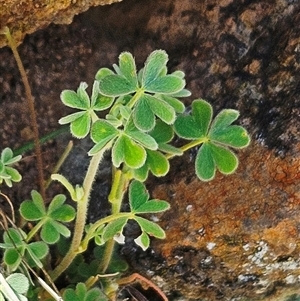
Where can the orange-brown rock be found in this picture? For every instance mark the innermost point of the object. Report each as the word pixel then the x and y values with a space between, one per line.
pixel 247 222
pixel 27 16
pixel 237 237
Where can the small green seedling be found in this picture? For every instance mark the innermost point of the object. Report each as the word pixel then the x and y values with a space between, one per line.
pixel 82 293
pixel 50 219
pixel 142 114
pixel 16 247
pixel 9 174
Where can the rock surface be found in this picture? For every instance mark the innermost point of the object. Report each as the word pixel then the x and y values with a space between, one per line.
pixel 236 238
pixel 26 16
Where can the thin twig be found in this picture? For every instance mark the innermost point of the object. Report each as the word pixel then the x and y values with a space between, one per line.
pixel 11 206
pixel 32 111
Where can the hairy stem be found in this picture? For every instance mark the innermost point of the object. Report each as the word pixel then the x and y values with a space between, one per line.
pixel 91 231
pixel 119 186
pixel 188 146
pixel 82 208
pixel 107 255
pixel 136 97
pixel 34 230
pixel 32 111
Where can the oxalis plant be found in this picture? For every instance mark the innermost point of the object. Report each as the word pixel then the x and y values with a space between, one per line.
pixel 144 115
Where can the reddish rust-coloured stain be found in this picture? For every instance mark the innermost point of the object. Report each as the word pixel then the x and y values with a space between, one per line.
pixel 249 220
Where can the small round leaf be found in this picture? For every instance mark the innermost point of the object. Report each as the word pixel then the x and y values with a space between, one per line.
pixel 80 127
pixel 49 233
pixel 204 164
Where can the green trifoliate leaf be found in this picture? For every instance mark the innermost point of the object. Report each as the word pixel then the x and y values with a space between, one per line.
pixel 154 64
pixel 7 173
pixel 72 99
pixel 138 195
pixel 162 132
pixel 139 200
pixel 59 211
pixel 225 118
pixel 14 236
pixel 196 125
pixel 38 249
pixel 71 118
pixel 114 228
pixel 167 84
pixel 157 163
pixel 102 133
pixel 13 258
pixel 147 107
pixel 141 174
pixel 50 219
pixel 128 68
pixel 128 151
pixel 233 136
pixel 144 118
pixel 33 210
pixel 150 227
pixel 204 164
pixel 182 93
pixel 7 157
pixel 16 247
pixel 52 230
pixel 174 102
pixel 49 234
pixel 116 85
pixel 100 102
pixel 13 174
pixel 143 241
pixel 225 160
pixel 215 136
pixel 81 293
pixel 143 139
pixel 103 72
pixel 80 122
pixel 186 127
pixel 81 126
pixel 212 156
pixel 81 92
pixel 161 109
pixel 179 74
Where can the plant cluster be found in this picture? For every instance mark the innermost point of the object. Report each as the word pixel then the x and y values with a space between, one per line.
pixel 143 114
